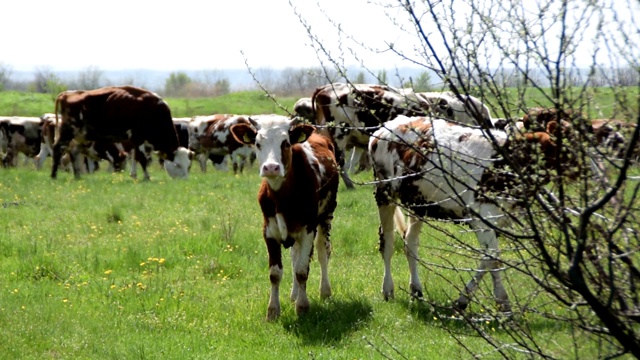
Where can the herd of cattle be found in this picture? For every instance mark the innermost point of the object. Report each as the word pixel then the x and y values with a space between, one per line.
pixel 427 150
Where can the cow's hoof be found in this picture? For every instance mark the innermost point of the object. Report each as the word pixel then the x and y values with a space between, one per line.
pixel 504 307
pixel 273 314
pixel 325 294
pixel 302 309
pixel 416 293
pixel 388 295
pixel 460 305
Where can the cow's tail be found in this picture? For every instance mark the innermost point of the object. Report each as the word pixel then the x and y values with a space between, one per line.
pixel 401 224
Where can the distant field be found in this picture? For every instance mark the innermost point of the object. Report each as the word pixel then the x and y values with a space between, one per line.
pixel 13 103
pixel 602 103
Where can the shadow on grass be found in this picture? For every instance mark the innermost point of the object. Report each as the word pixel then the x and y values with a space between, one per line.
pixel 442 314
pixel 330 321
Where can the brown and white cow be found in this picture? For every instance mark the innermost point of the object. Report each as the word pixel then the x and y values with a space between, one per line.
pixel 297 197
pixel 304 109
pixel 355 111
pixel 210 137
pixel 19 135
pixel 116 114
pixel 612 135
pixel 441 170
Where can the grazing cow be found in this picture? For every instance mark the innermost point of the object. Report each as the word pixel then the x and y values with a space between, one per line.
pixel 117 114
pixel 182 129
pixel 464 109
pixel 357 110
pixel 19 135
pixel 210 137
pixel 446 171
pixel 612 135
pixel 304 109
pixel 297 197
pixel 349 113
pixel 87 158
pixel 538 118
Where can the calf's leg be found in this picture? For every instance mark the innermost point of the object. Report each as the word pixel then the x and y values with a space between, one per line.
pixel 323 249
pixel 275 276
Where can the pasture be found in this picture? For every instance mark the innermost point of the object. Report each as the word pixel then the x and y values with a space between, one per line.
pixel 110 267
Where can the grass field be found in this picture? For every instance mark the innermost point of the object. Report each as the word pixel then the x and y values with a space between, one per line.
pixel 602 103
pixel 14 103
pixel 109 267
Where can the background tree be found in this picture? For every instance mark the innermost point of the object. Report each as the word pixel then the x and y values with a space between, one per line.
pixel 5 75
pixel 46 81
pixel 573 245
pixel 176 83
pixel 90 78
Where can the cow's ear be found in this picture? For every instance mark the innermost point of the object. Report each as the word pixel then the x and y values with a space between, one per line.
pixel 300 133
pixel 243 133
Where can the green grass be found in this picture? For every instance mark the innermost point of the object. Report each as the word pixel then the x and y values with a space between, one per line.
pixel 108 267
pixel 15 103
pixel 603 103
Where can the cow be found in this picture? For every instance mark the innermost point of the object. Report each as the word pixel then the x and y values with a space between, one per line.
pixel 464 109
pixel 442 170
pixel 87 158
pixel 612 135
pixel 19 135
pixel 182 129
pixel 210 137
pixel 352 112
pixel 538 118
pixel 48 130
pixel 297 197
pixel 304 108
pixel 116 114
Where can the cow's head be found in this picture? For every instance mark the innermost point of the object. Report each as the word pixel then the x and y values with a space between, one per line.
pixel 179 167
pixel 273 137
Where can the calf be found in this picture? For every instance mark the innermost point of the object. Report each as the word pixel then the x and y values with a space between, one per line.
pixel 297 197
pixel 442 170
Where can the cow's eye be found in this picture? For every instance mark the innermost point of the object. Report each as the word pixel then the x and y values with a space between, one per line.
pixel 258 146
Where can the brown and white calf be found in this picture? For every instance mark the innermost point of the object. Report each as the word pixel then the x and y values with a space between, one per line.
pixel 297 197
pixel 441 170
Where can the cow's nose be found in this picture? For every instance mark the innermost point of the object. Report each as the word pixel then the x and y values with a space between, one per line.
pixel 271 169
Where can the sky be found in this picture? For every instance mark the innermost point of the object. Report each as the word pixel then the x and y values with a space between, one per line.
pixel 183 35
pixel 171 35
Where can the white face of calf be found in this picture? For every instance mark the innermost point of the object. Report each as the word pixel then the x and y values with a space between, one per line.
pixel 273 136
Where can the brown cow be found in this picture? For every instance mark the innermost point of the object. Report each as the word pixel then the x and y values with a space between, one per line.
pixel 297 197
pixel 116 114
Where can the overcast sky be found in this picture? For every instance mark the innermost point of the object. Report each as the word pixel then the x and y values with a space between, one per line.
pixel 171 35
pixel 211 34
